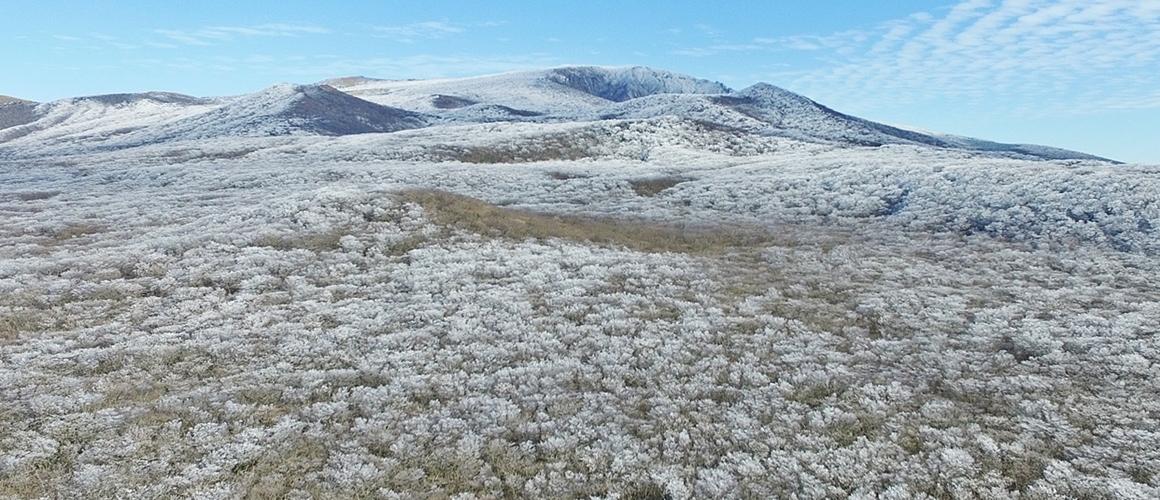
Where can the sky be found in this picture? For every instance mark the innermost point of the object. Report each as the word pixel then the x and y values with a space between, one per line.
pixel 1079 74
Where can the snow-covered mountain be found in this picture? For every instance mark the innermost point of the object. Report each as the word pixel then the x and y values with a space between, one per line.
pixel 770 110
pixel 294 110
pixel 97 120
pixel 359 105
pixel 567 93
pixel 129 120
pixel 622 84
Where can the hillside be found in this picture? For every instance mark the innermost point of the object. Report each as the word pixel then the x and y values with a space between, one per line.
pixel 15 112
pixel 293 109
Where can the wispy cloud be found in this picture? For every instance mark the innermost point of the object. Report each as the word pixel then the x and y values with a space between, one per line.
pixel 210 35
pixel 320 66
pixel 842 42
pixel 427 30
pixel 422 65
pixel 94 41
pixel 1033 57
pixel 717 48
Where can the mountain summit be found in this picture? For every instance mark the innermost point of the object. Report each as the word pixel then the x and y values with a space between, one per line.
pixel 622 84
pixel 295 109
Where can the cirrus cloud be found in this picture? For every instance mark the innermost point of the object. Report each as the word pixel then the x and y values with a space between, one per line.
pixel 426 30
pixel 210 35
pixel 1042 57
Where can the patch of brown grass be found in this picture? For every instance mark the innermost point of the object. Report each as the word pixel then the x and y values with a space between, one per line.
pixel 33 195
pixel 652 186
pixel 76 230
pixel 12 324
pixel 565 176
pixel 480 217
pixel 283 468
pixel 314 241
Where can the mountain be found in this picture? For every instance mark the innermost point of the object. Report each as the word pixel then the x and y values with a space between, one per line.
pixel 622 84
pixel 566 93
pixel 770 110
pixel 293 110
pixel 93 120
pixel 527 91
pixel 154 97
pixel 361 105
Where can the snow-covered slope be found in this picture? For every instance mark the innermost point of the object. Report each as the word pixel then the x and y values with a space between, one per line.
pixel 786 111
pixel 622 84
pixel 14 111
pixel 767 109
pixel 293 109
pixel 1032 150
pixel 129 120
pixel 94 120
pixel 518 91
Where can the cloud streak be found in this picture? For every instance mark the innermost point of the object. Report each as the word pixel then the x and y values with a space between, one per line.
pixel 1027 57
pixel 410 33
pixel 211 35
pixel 1037 56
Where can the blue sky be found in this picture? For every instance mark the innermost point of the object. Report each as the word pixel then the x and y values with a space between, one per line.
pixel 1081 74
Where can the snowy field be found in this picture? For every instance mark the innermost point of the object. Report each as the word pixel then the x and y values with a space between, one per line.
pixel 303 317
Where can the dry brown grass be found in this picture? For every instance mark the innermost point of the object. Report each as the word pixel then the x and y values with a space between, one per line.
pixel 76 230
pixel 283 468
pixel 480 217
pixel 565 176
pixel 32 195
pixel 14 323
pixel 314 241
pixel 652 186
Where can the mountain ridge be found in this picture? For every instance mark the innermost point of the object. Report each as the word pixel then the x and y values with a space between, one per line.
pixel 359 105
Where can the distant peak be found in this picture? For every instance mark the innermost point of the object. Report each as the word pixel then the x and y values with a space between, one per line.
pixel 620 84
pixel 14 100
pixel 348 81
pixel 762 88
pixel 295 90
pixel 768 94
pixel 283 88
pixel 157 97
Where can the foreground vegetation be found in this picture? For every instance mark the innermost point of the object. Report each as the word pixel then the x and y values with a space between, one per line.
pixel 265 329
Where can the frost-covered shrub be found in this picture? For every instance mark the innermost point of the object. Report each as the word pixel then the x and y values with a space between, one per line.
pixel 289 323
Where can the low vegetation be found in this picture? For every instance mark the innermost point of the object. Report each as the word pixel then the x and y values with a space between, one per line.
pixel 244 328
